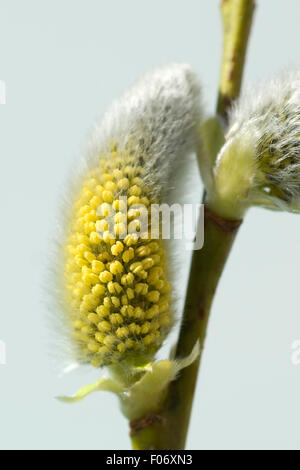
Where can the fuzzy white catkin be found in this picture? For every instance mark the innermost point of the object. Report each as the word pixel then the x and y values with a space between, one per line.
pixel 115 290
pixel 269 116
pixel 159 113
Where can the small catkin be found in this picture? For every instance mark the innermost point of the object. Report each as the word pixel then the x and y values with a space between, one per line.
pixel 115 285
pixel 269 118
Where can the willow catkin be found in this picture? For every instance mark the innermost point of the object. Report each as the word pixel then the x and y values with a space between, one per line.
pixel 115 287
pixel 259 163
pixel 268 118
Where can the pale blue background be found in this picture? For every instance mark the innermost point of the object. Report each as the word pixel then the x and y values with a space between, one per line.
pixel 63 63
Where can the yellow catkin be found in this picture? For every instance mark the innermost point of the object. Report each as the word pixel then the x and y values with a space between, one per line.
pixel 115 281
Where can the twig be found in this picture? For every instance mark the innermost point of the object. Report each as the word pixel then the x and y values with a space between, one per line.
pixel 237 16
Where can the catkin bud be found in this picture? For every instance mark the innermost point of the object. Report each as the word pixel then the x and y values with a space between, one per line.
pixel 260 161
pixel 115 283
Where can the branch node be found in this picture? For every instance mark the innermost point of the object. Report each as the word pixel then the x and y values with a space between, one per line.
pixel 227 226
pixel 142 423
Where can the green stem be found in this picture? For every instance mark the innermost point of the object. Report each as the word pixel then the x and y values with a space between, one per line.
pixel 168 428
pixel 237 16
